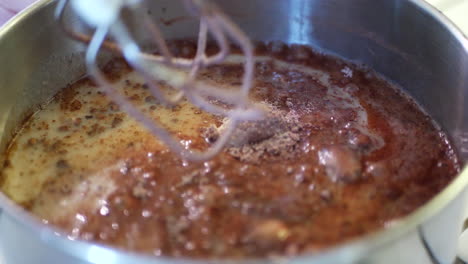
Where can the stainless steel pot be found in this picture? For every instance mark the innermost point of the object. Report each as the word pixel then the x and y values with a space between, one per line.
pixel 405 40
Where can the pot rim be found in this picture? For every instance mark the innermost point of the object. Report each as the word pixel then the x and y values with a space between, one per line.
pixel 351 250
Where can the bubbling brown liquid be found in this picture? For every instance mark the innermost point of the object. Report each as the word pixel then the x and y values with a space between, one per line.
pixel 341 153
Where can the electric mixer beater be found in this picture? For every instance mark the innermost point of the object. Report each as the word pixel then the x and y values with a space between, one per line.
pixel 105 17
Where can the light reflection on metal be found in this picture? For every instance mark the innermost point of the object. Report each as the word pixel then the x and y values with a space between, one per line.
pixel 300 31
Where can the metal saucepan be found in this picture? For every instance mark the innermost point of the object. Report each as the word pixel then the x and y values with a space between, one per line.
pixel 407 41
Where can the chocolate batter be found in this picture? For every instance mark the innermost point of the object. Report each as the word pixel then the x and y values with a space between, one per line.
pixel 340 154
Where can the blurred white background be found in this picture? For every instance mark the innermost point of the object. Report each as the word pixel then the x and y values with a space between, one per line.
pixel 456 10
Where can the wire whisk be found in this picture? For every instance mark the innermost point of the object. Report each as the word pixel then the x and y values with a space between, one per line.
pixel 104 16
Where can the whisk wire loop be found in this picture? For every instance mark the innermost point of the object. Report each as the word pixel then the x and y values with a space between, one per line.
pixel 179 73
